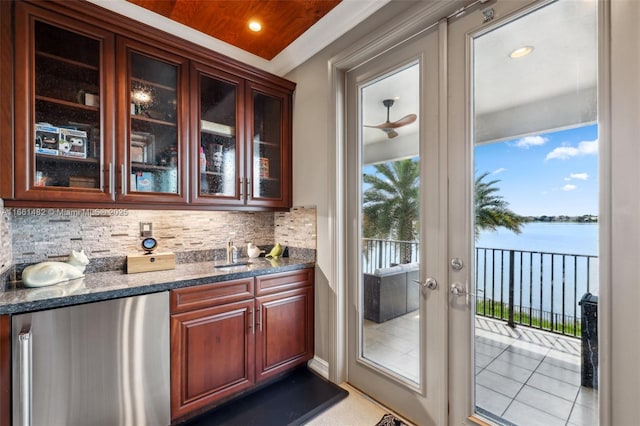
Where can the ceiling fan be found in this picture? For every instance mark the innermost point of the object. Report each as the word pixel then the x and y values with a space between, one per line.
pixel 389 127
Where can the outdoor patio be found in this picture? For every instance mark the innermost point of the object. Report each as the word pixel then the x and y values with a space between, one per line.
pixel 524 376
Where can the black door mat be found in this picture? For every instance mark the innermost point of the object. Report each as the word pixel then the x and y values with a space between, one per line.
pixel 292 400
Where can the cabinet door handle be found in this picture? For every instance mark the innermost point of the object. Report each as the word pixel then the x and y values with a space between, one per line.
pixel 241 187
pixel 260 317
pixel 111 177
pixel 123 189
pixel 253 321
pixel 248 188
pixel 25 359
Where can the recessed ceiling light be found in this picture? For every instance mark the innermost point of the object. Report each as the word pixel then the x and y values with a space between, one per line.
pixel 255 26
pixel 521 52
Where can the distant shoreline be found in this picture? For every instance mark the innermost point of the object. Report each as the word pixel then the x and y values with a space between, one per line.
pixel 587 218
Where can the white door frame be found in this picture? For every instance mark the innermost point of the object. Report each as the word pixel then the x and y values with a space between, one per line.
pixel 406 25
pixel 396 31
pixel 460 49
pixel 425 401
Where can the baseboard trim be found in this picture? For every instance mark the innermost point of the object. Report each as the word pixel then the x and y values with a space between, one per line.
pixel 319 366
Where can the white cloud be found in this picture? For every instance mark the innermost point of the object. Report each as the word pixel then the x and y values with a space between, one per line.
pixel 566 152
pixel 569 187
pixel 579 176
pixel 499 170
pixel 567 179
pixel 529 141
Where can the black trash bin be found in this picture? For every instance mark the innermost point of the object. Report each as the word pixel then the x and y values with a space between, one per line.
pixel 589 310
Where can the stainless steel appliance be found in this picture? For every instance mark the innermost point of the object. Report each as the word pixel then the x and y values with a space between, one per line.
pixel 103 363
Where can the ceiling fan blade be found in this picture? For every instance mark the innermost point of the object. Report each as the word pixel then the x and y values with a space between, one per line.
pixel 407 119
pixel 388 126
pixel 378 126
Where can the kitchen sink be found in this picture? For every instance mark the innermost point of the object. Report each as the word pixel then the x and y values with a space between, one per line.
pixel 231 265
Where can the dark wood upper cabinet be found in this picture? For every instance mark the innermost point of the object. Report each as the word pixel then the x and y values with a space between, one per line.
pixel 63 108
pixel 269 146
pixel 217 109
pixel 244 141
pixel 107 113
pixel 152 124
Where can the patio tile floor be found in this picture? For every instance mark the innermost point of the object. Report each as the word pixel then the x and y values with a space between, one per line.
pixel 524 376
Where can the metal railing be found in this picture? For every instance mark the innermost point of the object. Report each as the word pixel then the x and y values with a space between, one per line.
pixel 532 288
pixel 386 253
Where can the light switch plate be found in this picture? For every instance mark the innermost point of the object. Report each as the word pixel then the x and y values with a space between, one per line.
pixel 146 229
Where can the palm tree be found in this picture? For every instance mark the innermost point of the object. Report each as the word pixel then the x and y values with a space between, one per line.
pixel 391 206
pixel 491 209
pixel 391 203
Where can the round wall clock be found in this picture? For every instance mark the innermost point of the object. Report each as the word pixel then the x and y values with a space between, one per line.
pixel 149 244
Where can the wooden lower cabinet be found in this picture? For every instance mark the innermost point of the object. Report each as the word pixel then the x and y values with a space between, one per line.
pixel 211 355
pixel 224 340
pixel 284 335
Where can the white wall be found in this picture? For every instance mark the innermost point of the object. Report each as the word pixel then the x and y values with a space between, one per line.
pixel 624 342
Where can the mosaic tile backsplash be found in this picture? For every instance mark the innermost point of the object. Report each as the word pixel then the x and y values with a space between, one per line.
pixel 35 235
pixel 5 241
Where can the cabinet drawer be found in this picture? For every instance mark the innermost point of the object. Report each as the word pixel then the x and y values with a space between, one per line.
pixel 268 284
pixel 202 296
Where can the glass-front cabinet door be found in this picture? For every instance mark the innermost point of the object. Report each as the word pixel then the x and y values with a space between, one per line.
pixel 216 150
pixel 152 153
pixel 269 159
pixel 63 93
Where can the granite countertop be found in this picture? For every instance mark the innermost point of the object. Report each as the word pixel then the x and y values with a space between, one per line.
pixel 114 284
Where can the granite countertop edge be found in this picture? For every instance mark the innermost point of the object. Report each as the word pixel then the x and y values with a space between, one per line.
pixel 101 286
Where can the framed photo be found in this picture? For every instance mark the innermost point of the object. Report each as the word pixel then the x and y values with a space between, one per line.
pixel 142 147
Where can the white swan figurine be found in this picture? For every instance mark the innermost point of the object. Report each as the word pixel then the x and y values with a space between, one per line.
pixel 253 251
pixel 50 273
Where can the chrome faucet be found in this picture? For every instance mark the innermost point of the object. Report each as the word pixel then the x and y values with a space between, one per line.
pixel 232 252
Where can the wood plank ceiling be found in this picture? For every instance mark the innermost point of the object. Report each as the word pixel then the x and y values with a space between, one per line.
pixel 282 20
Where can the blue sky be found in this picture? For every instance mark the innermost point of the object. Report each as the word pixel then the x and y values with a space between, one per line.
pixel 546 174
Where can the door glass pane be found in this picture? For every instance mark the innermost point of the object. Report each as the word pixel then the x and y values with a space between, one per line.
pixel 267 143
pixel 217 137
pixel 536 217
pixel 67 108
pixel 154 154
pixel 390 185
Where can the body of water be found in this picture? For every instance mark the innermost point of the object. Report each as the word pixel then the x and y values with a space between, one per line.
pixel 558 237
pixel 552 268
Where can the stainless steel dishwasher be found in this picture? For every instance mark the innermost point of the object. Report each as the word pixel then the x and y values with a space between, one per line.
pixel 103 363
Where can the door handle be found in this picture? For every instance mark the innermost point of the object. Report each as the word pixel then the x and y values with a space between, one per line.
pixel 25 359
pixel 457 289
pixel 429 283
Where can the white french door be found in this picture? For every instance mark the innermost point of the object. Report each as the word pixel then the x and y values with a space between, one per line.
pixel 397 299
pixel 430 381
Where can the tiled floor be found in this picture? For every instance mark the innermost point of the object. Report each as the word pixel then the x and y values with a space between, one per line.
pixel 355 410
pixel 394 344
pixel 524 376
